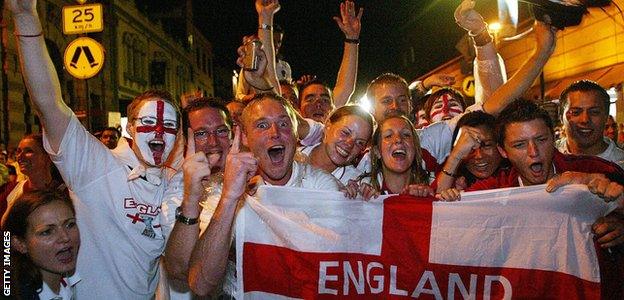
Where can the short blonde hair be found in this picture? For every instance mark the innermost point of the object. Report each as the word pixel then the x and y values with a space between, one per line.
pixel 292 114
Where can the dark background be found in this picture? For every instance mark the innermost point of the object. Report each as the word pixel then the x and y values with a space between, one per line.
pixel 313 42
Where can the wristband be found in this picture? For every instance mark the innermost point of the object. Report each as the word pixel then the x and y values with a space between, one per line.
pixel 266 27
pixel 184 220
pixel 473 34
pixel 28 35
pixel 448 173
pixel 352 41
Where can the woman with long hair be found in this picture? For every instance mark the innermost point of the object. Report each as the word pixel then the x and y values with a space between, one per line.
pixel 44 241
pixel 396 160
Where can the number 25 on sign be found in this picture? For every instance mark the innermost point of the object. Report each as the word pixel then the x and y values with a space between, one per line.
pixel 83 18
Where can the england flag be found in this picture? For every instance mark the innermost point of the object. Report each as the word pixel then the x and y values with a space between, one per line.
pixel 513 243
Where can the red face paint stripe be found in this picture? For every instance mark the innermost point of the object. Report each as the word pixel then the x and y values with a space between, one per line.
pixel 445 105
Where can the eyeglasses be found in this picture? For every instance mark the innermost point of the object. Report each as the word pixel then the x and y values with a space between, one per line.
pixel 220 132
pixel 151 121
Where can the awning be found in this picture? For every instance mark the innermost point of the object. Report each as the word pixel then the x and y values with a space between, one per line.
pixel 607 77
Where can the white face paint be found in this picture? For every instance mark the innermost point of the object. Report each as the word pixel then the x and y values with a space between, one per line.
pixel 155 129
pixel 445 107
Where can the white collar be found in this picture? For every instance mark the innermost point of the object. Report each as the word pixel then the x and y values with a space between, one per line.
pixel 124 152
pixel 66 291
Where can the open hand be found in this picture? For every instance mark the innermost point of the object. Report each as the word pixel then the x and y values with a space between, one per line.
pixel 468 18
pixel 349 22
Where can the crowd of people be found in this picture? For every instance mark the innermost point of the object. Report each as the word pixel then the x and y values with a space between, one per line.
pixel 152 215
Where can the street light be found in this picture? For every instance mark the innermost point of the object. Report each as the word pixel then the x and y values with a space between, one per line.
pixel 494 28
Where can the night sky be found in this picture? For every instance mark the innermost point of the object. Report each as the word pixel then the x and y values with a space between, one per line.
pixel 313 42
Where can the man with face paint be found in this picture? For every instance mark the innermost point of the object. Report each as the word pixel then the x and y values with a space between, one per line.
pixel 117 193
pixel 444 104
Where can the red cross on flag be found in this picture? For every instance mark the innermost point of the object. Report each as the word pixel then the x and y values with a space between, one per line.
pixel 500 244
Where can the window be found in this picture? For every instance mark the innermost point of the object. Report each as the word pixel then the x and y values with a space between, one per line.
pixel 612 98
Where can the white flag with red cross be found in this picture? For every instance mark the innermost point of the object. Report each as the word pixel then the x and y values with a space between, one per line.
pixel 498 244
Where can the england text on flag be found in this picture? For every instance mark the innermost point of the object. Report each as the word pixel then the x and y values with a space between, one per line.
pixel 499 244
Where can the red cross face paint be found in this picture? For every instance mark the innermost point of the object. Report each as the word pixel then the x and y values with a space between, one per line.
pixel 444 108
pixel 156 128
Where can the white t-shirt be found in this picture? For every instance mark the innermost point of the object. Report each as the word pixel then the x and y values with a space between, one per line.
pixel 613 153
pixel 343 174
pixel 17 191
pixel 303 175
pixel 67 289
pixel 119 219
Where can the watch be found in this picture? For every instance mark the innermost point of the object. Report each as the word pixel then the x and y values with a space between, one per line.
pixel 184 220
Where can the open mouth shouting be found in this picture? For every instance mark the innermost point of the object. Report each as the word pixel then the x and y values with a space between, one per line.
pixel 157 146
pixel 399 154
pixel 277 154
pixel 539 172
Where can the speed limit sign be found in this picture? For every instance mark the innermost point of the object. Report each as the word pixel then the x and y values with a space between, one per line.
pixel 83 18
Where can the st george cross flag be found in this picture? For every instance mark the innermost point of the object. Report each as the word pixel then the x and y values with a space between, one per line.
pixel 499 244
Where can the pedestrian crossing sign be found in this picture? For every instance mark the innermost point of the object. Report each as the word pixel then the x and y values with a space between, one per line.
pixel 84 58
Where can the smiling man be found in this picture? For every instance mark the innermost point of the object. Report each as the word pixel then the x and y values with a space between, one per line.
pixel 584 112
pixel 117 194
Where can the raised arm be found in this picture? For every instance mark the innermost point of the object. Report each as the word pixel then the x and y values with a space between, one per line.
pixel 489 75
pixel 266 10
pixel 545 36
pixel 350 24
pixel 209 256
pixel 468 141
pixel 255 82
pixel 39 74
pixel 184 236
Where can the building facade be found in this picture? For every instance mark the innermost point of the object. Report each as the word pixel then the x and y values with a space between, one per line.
pixel 139 55
pixel 592 50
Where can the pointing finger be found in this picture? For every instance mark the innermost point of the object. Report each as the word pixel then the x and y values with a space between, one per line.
pixel 190 143
pixel 236 142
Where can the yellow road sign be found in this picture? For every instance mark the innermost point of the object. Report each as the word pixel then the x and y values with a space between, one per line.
pixel 83 18
pixel 84 58
pixel 468 85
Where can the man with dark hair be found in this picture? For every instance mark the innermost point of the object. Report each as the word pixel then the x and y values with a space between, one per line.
pixel 525 136
pixel 584 108
pixel 209 129
pixel 315 100
pixel 109 137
